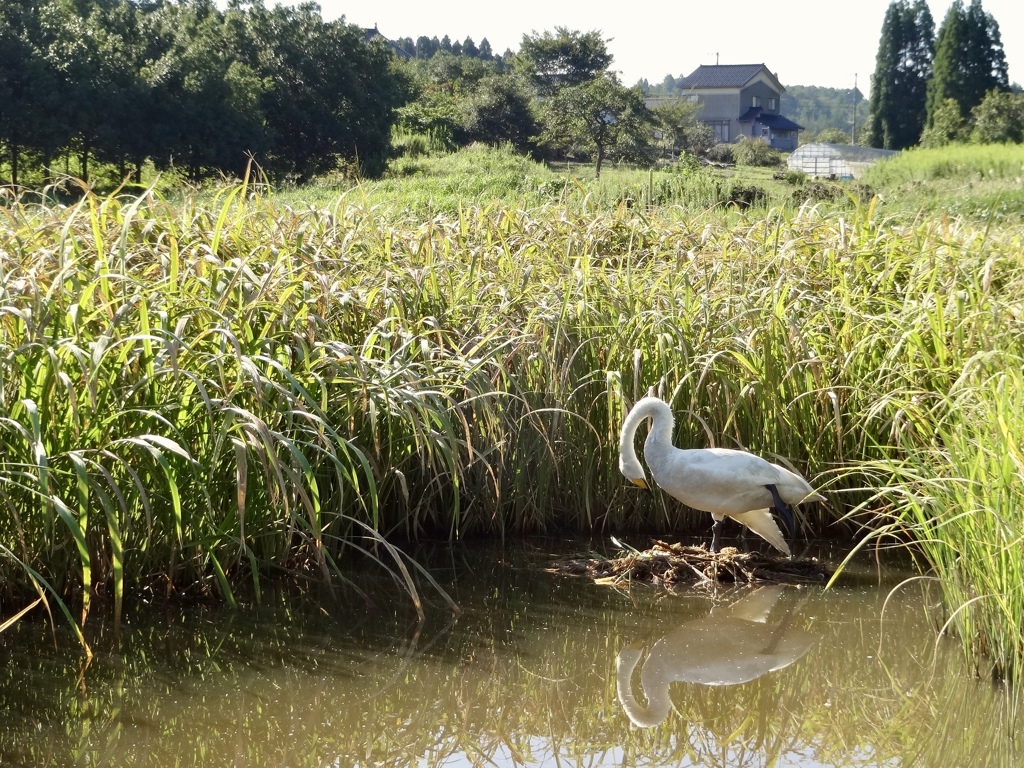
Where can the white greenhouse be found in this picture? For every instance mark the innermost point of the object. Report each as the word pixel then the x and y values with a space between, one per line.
pixel 840 161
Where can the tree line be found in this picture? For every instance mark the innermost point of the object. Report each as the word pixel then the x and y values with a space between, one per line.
pixel 191 88
pixel 426 47
pixel 932 89
pixel 556 97
pixel 202 91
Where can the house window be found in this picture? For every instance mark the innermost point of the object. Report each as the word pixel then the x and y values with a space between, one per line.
pixel 773 103
pixel 721 130
pixel 755 101
pixel 691 97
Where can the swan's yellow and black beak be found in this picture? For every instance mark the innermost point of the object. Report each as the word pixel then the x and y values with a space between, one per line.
pixel 639 482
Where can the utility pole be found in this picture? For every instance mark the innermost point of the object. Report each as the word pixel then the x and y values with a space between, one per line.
pixel 854 108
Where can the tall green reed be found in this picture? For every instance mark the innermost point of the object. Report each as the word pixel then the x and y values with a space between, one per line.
pixel 202 394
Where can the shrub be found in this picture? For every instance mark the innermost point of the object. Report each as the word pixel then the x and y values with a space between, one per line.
pixel 793 176
pixel 999 119
pixel 416 145
pixel 756 152
pixel 947 126
pixel 833 136
pixel 721 153
pixel 746 195
pixel 817 191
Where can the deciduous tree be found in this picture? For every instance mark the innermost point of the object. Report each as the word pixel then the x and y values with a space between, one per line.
pixel 601 118
pixel 29 96
pixel 500 111
pixel 947 126
pixel 562 59
pixel 206 101
pixel 192 87
pixel 681 129
pixel 833 136
pixel 999 119
pixel 327 95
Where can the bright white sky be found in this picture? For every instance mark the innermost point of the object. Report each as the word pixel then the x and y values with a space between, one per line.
pixel 805 42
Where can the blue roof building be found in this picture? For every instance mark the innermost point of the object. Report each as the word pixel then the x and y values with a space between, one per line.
pixel 740 100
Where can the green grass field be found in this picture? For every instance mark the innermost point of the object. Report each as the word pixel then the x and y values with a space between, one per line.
pixel 444 184
pixel 970 181
pixel 201 394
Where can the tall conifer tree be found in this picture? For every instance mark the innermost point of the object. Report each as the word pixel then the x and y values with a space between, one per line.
pixel 986 61
pixel 902 69
pixel 969 60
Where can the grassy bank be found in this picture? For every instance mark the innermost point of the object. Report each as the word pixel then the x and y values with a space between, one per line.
pixel 199 396
pixel 975 181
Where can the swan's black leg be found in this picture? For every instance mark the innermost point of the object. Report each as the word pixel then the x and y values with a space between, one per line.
pixel 781 508
pixel 714 536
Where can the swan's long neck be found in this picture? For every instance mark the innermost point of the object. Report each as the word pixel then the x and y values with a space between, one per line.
pixel 658 702
pixel 662 422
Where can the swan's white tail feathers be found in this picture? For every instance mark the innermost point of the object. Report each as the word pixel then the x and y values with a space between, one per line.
pixel 756 606
pixel 761 522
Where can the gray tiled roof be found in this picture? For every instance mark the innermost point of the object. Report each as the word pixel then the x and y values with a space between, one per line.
pixel 773 121
pixel 370 34
pixel 720 76
pixel 779 123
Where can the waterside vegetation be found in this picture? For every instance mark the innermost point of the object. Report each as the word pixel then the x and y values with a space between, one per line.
pixel 199 395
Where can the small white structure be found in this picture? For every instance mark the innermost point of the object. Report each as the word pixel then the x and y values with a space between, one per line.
pixel 841 161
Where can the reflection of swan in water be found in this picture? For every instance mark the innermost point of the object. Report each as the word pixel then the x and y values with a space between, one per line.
pixel 732 645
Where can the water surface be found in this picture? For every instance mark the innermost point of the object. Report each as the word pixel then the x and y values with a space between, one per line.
pixel 537 670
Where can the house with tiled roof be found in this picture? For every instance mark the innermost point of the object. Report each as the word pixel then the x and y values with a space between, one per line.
pixel 372 34
pixel 741 100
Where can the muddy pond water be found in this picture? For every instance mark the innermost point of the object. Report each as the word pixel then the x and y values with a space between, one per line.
pixel 537 670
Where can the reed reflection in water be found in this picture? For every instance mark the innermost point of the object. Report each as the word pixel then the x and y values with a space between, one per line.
pixel 526 676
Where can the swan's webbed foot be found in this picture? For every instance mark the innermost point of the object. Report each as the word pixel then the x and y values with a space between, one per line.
pixel 782 508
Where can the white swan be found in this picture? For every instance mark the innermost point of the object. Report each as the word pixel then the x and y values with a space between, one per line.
pixel 731 646
pixel 722 481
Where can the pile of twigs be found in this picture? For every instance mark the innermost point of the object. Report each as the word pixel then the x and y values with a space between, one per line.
pixel 671 565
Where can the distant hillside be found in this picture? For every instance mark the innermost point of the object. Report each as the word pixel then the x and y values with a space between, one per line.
pixel 817 108
pixel 813 107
